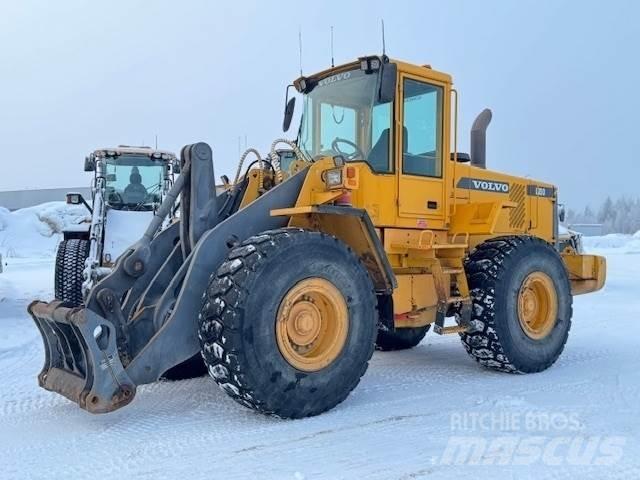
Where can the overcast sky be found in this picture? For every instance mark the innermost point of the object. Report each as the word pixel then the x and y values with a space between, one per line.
pixel 562 79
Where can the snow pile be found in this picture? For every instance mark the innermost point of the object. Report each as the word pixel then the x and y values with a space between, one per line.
pixel 613 243
pixel 36 231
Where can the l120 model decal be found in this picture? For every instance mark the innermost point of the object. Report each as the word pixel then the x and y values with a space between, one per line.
pixel 483 185
pixel 538 191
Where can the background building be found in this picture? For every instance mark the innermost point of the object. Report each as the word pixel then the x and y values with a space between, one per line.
pixel 15 199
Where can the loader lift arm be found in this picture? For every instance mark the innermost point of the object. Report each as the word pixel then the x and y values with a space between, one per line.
pixel 141 319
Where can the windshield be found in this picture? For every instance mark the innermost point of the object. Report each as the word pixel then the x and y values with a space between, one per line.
pixel 342 116
pixel 134 182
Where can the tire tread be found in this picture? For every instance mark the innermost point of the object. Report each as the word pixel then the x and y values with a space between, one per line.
pixel 484 266
pixel 219 321
pixel 69 267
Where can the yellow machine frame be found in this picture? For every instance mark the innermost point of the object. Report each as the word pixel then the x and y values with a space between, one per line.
pixel 426 247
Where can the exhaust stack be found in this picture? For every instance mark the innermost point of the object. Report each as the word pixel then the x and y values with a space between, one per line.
pixel 479 139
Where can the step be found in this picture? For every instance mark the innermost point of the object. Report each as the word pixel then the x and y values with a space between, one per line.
pixel 452 270
pixel 440 246
pixel 426 247
pixel 449 330
pixel 458 299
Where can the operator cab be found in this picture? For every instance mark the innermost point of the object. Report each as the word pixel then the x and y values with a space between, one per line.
pixel 391 118
pixel 347 114
pixel 136 178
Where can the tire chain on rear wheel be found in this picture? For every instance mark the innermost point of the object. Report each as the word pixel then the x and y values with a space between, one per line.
pixel 221 363
pixel 70 260
pixel 481 341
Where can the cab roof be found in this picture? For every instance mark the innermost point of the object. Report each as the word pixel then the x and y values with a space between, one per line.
pixel 128 150
pixel 420 70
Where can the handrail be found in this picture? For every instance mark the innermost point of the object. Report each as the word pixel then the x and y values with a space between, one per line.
pixel 455 150
pixel 431 238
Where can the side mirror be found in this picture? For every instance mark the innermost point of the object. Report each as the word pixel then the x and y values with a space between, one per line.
pixel 561 213
pixel 388 79
pixel 176 167
pixel 74 198
pixel 288 114
pixel 89 164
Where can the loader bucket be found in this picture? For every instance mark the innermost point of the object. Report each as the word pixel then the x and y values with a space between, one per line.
pixel 81 357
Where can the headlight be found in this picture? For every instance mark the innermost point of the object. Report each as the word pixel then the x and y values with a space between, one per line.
pixel 333 178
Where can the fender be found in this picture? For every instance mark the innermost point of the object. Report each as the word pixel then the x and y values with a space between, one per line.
pixel 354 227
pixel 79 231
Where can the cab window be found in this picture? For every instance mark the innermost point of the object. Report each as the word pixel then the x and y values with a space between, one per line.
pixel 381 137
pixel 337 122
pixel 342 116
pixel 422 132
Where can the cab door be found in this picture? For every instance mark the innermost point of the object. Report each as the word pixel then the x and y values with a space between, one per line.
pixel 421 150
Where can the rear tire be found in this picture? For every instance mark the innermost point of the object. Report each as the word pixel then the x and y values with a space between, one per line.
pixel 390 338
pixel 400 338
pixel 70 260
pixel 242 319
pixel 192 368
pixel 499 273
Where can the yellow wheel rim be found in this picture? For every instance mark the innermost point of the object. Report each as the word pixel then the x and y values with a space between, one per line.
pixel 312 324
pixel 537 305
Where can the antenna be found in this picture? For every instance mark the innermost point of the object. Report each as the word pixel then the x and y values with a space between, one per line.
pixel 156 141
pixel 383 45
pixel 300 47
pixel 332 62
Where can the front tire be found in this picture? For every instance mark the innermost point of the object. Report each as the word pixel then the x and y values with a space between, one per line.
pixel 289 322
pixel 521 313
pixel 70 260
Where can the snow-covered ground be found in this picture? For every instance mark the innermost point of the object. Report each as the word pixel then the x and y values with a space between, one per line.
pixel 430 412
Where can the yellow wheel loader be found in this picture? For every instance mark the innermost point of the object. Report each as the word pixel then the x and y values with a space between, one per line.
pixel 286 279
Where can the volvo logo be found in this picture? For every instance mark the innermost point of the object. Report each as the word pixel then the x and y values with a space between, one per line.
pixel 483 185
pixel 334 78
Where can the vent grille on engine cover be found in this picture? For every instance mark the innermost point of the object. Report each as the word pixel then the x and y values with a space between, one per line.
pixel 517 215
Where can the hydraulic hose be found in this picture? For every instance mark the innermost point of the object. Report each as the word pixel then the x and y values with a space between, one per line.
pixel 275 158
pixel 243 158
